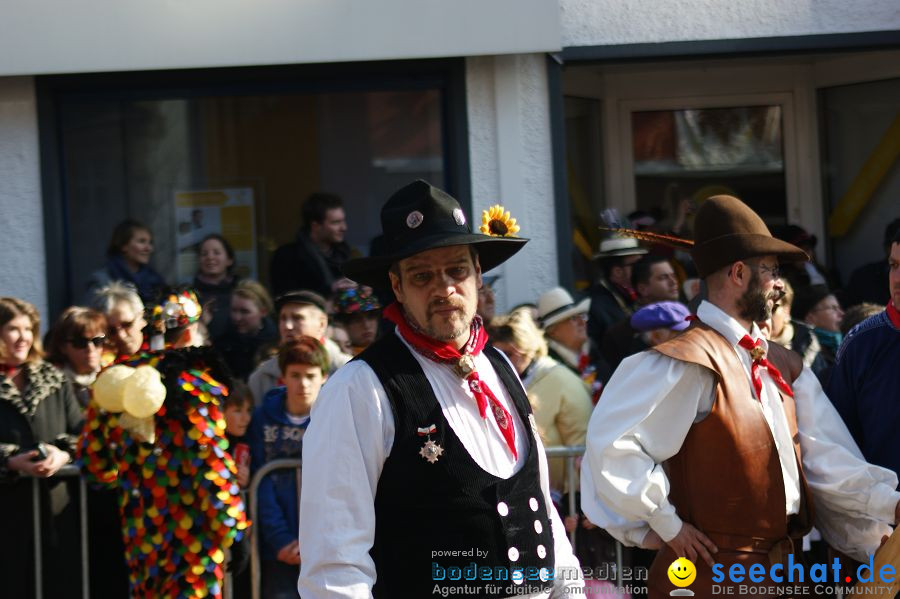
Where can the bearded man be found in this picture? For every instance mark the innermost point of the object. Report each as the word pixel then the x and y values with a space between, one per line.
pixel 715 445
pixel 423 472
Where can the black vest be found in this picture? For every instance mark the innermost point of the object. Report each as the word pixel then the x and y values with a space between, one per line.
pixel 450 523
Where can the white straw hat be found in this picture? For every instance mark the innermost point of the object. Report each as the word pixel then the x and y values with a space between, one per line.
pixel 557 304
pixel 619 246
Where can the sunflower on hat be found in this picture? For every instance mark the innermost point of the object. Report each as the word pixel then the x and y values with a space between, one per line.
pixel 496 221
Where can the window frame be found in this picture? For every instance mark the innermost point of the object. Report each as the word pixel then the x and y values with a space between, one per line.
pixel 622 180
pixel 53 91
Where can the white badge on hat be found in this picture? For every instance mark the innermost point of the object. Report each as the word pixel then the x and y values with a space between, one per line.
pixel 414 219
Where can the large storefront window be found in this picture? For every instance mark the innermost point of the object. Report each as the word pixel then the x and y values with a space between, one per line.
pixel 190 163
pixel 688 155
pixel 862 167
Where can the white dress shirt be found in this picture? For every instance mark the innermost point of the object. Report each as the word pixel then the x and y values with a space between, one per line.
pixel 349 438
pixel 645 414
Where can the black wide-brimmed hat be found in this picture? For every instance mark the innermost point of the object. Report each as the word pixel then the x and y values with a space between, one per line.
pixel 726 230
pixel 420 217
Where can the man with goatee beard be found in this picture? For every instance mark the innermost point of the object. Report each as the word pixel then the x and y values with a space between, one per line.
pixel 717 446
pixel 423 472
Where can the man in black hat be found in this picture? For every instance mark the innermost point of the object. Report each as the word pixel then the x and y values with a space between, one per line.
pixel 717 446
pixel 424 473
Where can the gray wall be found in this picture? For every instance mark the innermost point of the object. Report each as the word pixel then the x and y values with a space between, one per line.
pixel 608 22
pixel 22 257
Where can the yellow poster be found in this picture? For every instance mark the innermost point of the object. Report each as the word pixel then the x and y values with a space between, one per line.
pixel 228 212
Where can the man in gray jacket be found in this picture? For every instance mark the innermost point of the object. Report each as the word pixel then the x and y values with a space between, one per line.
pixel 299 313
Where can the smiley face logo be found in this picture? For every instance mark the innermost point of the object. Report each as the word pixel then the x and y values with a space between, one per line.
pixel 682 572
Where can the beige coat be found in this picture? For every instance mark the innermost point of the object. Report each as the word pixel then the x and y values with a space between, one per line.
pixel 562 407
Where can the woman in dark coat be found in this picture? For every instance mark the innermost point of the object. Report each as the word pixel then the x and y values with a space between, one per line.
pixel 214 282
pixel 129 252
pixel 39 422
pixel 250 331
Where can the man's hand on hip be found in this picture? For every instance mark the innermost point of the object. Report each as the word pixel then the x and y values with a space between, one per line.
pixel 690 543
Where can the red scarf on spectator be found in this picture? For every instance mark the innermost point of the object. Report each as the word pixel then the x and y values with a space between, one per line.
pixel 893 314
pixel 445 353
pixel 10 370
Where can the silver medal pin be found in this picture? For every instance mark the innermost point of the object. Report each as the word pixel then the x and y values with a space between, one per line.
pixel 431 451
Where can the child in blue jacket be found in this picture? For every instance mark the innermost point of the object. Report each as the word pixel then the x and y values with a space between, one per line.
pixel 276 432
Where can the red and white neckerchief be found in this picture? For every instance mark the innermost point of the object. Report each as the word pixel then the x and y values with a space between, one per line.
pixel 462 363
pixel 758 354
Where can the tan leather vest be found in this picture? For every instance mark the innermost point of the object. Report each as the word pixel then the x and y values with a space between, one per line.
pixel 727 478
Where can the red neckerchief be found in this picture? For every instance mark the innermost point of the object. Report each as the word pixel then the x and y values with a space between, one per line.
pixel 10 370
pixel 759 359
pixel 445 353
pixel 629 293
pixel 893 314
pixel 584 360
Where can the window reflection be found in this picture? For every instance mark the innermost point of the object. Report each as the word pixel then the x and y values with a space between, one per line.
pixel 683 156
pixel 131 157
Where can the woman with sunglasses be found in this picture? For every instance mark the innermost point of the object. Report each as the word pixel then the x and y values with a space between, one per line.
pixel 39 424
pixel 76 346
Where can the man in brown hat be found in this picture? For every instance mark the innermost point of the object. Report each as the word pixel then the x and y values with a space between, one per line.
pixel 716 446
pixel 423 471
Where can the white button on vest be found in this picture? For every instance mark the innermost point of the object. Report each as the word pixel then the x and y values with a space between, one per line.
pixel 542 551
pixel 513 554
pixel 538 527
pixel 534 504
pixel 502 509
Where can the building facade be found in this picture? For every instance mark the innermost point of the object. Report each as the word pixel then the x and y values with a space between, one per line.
pixel 202 115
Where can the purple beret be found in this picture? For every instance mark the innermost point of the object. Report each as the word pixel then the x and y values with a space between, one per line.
pixel 661 315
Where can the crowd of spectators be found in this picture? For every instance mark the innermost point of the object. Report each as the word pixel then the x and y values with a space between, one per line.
pixel 281 343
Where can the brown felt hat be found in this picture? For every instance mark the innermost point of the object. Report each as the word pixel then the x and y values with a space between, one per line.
pixel 726 230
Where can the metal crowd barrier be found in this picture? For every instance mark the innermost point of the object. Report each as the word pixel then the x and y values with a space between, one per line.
pixel 255 578
pixel 569 454
pixel 69 470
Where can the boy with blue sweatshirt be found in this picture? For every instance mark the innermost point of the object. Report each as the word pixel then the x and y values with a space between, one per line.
pixel 276 432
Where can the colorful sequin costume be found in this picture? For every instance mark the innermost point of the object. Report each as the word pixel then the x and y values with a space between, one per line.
pixel 179 498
